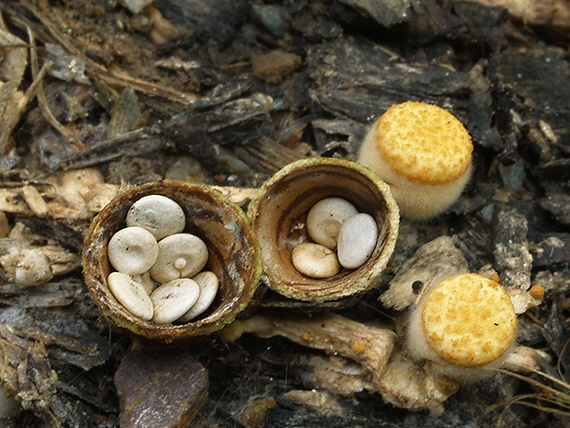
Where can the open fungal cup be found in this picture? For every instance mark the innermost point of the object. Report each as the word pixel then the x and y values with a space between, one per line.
pixel 279 211
pixel 234 257
pixel 463 325
pixel 423 152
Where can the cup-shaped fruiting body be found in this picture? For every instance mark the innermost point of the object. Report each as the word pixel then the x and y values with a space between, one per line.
pixel 234 257
pixel 464 325
pixel 424 153
pixel 279 212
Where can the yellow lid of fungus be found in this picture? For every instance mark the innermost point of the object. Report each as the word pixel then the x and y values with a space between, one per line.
pixel 424 143
pixel 469 320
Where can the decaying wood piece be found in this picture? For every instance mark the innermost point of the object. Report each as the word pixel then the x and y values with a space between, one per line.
pixel 403 383
pixel 333 373
pixel 12 202
pixel 12 101
pixel 26 372
pixel 553 14
pixel 274 66
pixel 125 115
pixel 370 346
pixel 555 333
pixel 380 82
pixel 542 85
pixel 408 385
pixel 111 77
pixel 34 200
pixel 513 260
pixel 342 92
pixel 70 195
pixel 36 380
pixel 400 381
pixel 551 249
pixel 237 121
pixel 323 406
pixel 474 236
pixel 13 349
pixel 431 263
pixel 77 195
pixel 214 20
pixel 126 136
pixel 42 100
pixel 12 67
pixel 14 57
pixel 385 12
pixel 134 143
pixel 348 132
pixel 33 265
pixel 481 114
pixel 558 204
pixel 525 359
pixel 268 156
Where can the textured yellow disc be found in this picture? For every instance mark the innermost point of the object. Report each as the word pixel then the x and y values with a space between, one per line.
pixel 469 320
pixel 424 143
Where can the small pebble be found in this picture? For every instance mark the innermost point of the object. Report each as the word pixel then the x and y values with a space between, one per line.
pixel 325 219
pixel 158 214
pixel 131 295
pixel 275 65
pixel 272 18
pixel 209 284
pixel 356 240
pixel 160 388
pixel 315 260
pixel 132 250
pixel 174 299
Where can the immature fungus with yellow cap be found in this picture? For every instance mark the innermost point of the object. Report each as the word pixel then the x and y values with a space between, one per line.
pixel 464 325
pixel 423 152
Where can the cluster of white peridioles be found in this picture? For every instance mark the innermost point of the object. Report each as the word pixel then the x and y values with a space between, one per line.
pixel 159 268
pixel 342 238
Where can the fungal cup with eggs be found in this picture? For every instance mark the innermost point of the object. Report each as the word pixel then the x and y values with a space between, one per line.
pixel 305 253
pixel 215 276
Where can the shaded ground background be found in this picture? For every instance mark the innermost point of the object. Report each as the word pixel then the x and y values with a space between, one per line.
pixel 228 92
